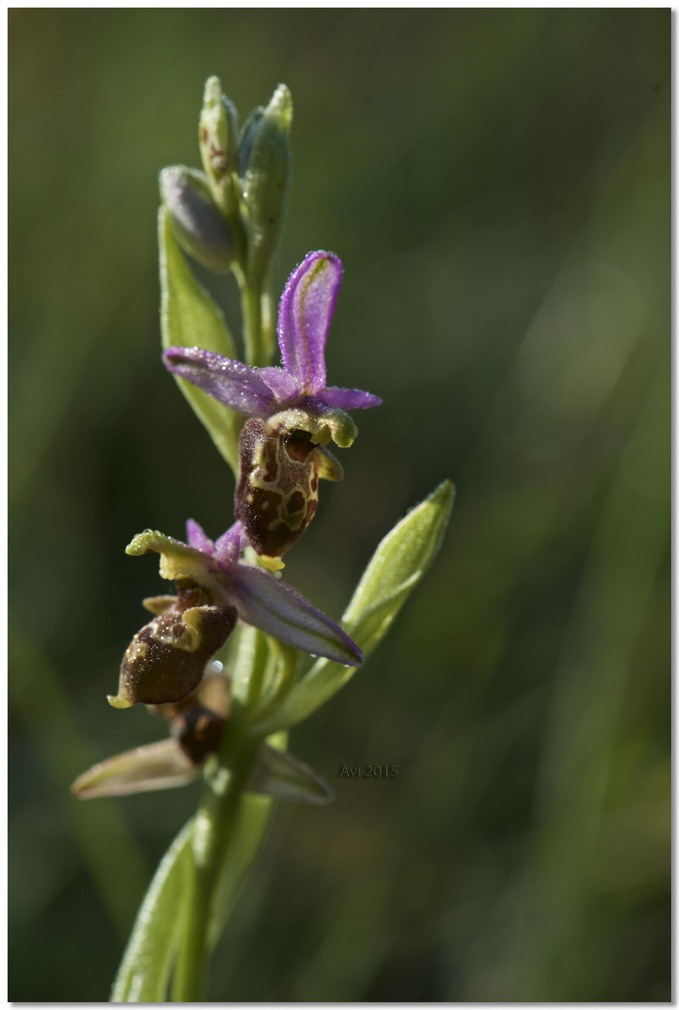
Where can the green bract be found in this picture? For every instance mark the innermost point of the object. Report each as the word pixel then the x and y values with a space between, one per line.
pixel 398 565
pixel 187 314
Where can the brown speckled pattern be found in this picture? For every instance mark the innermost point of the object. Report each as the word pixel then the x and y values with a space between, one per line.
pixel 277 492
pixel 166 660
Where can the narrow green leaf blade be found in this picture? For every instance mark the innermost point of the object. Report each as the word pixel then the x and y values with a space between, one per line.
pixel 189 317
pixel 252 819
pixel 144 972
pixel 398 565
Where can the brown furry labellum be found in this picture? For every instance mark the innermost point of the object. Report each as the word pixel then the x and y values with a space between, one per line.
pixel 277 492
pixel 166 660
pixel 198 731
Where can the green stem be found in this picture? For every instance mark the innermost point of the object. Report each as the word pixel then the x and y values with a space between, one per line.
pixel 258 307
pixel 251 302
pixel 216 819
pixel 269 316
pixel 213 830
pixel 249 667
pixel 288 663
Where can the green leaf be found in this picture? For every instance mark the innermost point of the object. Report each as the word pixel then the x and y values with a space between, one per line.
pixel 190 318
pixel 398 565
pixel 144 973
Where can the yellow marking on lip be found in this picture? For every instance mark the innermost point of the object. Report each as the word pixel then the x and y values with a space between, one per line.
pixel 117 702
pixel 270 563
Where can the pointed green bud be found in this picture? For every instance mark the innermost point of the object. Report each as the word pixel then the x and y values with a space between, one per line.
pixel 217 133
pixel 197 222
pixel 333 425
pixel 264 166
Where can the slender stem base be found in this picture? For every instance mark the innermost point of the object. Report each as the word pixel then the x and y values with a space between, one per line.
pixel 251 303
pixel 212 833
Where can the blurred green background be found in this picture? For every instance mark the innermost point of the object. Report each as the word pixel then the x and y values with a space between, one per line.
pixel 497 184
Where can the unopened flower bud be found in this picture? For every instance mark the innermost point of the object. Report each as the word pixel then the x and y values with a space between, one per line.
pixel 247 138
pixel 198 224
pixel 166 660
pixel 264 163
pixel 217 134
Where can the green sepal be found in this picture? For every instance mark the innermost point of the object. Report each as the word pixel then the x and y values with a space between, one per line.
pixel 159 765
pixel 144 973
pixel 398 565
pixel 277 773
pixel 188 318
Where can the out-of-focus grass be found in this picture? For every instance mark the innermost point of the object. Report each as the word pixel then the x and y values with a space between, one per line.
pixel 497 184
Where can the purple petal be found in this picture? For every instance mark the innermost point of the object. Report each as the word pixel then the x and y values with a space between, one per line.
pixel 230 544
pixel 198 538
pixel 282 384
pixel 231 382
pixel 304 317
pixel 278 610
pixel 348 399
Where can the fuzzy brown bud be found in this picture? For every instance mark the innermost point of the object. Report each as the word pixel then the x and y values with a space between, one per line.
pixel 166 660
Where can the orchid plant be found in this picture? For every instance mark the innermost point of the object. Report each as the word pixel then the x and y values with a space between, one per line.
pixel 235 656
